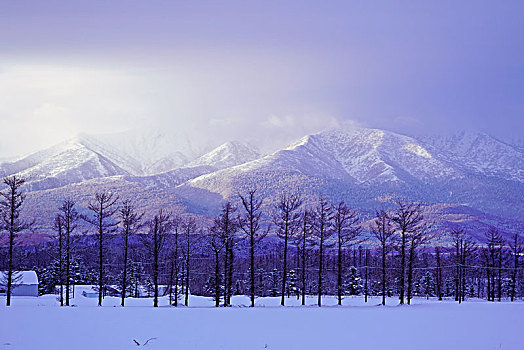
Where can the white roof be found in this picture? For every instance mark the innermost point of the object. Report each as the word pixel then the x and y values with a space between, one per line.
pixel 28 277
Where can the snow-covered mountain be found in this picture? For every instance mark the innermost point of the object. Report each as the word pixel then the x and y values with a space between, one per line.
pixel 481 154
pixel 226 155
pixel 361 166
pixel 86 157
pixel 153 151
pixel 69 162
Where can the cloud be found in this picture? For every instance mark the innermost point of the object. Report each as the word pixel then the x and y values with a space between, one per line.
pixel 210 101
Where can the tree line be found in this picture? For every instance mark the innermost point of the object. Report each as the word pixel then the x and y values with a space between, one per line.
pixel 287 249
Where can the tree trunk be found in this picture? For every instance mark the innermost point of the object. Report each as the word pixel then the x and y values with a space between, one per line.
pixel 366 279
pixel 68 258
pixel 284 267
pixel 402 267
pixel 171 276
pixel 186 300
pixel 320 263
pixel 304 270
pixel 230 271
pixel 100 259
pixel 155 273
pixel 124 273
pixel 217 279
pixel 339 271
pixel 438 274
pixel 515 267
pixel 410 273
pixel 226 272
pixel 252 264
pixel 384 273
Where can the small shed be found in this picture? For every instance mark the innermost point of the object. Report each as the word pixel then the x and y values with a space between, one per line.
pixel 25 283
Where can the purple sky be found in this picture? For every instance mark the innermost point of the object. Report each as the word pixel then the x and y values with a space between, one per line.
pixel 409 66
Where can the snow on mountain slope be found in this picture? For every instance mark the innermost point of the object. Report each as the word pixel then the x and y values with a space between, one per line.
pixel 362 165
pixel 226 155
pixel 152 150
pixel 480 154
pixel 356 164
pixel 91 156
pixel 69 162
pixel 370 155
pixel 357 156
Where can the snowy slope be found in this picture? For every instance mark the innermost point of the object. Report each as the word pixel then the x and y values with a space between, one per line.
pixel 481 154
pixel 226 155
pixel 69 162
pixel 427 324
pixel 154 151
pixel 358 156
pixel 362 165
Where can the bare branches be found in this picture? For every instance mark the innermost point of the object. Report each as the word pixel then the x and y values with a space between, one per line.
pixel 102 208
pixel 131 222
pixel 10 207
pixel 382 229
pixel 250 224
pixel 345 224
pixel 154 242
pixel 287 221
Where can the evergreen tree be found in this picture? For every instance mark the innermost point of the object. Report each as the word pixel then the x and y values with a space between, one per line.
pixel 274 282
pixel 292 284
pixel 427 285
pixel 353 283
pixel 10 205
pixel 210 287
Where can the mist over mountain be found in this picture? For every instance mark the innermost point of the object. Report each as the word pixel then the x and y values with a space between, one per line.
pixel 468 178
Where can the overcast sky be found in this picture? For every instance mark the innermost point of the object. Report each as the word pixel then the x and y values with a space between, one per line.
pixel 270 68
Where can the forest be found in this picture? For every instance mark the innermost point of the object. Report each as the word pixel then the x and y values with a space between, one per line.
pixel 292 250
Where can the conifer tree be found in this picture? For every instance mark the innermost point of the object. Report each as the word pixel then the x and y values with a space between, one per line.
pixel 10 207
pixel 287 222
pixel 103 208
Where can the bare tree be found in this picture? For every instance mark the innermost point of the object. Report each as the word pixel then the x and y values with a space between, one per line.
pixel 287 221
pixel 58 226
pixel 516 251
pixel 347 229
pixel 217 244
pixel 131 222
pixel 493 256
pixel 69 220
pixel 226 226
pixel 382 229
pixel 176 224
pixel 417 238
pixel 409 223
pixel 251 225
pixel 303 241
pixel 322 228
pixel 10 206
pixel 189 227
pixel 102 207
pixel 438 273
pixel 464 248
pixel 154 242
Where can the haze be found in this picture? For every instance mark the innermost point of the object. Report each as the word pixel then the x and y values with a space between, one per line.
pixel 262 71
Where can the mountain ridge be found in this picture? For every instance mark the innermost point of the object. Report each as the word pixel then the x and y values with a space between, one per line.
pixel 358 165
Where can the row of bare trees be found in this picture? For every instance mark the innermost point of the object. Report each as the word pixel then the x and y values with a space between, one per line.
pixel 312 239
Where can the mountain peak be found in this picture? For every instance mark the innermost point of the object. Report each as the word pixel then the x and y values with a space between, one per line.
pixel 228 154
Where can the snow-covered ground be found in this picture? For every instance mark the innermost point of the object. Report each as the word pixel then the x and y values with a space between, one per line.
pixel 38 323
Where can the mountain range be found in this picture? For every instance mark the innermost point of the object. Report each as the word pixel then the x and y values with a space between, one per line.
pixel 466 179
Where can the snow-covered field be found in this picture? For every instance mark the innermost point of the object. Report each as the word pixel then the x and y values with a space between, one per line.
pixel 38 323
